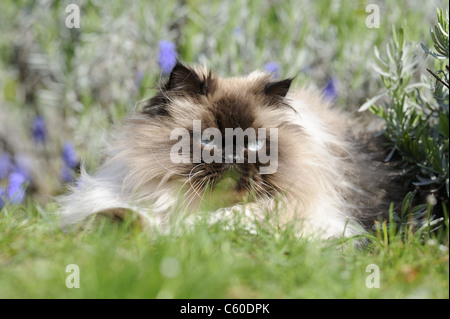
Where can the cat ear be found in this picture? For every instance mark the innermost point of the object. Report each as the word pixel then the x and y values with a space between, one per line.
pixel 186 80
pixel 278 89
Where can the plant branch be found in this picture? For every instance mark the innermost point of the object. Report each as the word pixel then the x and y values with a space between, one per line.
pixel 437 78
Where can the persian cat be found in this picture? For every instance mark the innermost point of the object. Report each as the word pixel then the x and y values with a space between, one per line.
pixel 168 160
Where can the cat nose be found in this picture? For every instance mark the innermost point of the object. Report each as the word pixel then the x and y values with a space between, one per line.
pixel 233 158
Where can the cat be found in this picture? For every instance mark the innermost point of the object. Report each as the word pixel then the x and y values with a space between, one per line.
pixel 320 179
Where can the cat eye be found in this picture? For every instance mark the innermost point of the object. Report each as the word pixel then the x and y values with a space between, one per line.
pixel 255 146
pixel 207 141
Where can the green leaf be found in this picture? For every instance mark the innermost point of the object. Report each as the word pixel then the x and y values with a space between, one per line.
pixel 443 126
pixel 370 102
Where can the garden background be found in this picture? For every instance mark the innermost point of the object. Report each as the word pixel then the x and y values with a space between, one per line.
pixel 62 88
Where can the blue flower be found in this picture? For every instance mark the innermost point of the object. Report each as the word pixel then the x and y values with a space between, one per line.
pixel 69 155
pixel 5 165
pixel 330 90
pixel 272 67
pixel 38 129
pixel 167 56
pixel 16 187
pixel 67 174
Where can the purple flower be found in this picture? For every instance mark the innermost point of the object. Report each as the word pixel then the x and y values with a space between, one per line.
pixel 38 129
pixel 2 203
pixel 5 165
pixel 23 165
pixel 69 155
pixel 67 174
pixel 16 188
pixel 167 56
pixel 138 77
pixel 237 31
pixel 272 67
pixel 330 90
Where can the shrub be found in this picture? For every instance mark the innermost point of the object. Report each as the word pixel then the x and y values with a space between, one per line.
pixel 416 111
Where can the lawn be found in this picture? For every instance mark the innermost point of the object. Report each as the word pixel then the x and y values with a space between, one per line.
pixel 208 261
pixel 62 88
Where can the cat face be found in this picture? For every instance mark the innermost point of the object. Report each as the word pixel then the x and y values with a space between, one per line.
pixel 202 129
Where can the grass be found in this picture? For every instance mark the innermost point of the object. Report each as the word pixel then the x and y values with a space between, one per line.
pixel 121 261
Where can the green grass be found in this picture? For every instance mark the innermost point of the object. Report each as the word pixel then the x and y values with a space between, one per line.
pixel 121 261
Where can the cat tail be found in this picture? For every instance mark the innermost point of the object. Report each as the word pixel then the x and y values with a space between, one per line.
pixel 94 194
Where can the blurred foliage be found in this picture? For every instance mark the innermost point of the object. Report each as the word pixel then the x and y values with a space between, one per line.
pixel 80 81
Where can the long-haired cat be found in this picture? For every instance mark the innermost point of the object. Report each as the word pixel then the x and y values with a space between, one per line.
pixel 319 182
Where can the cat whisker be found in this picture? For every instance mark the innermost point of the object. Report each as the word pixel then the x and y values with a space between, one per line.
pixel 187 181
pixel 196 188
pixel 270 186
